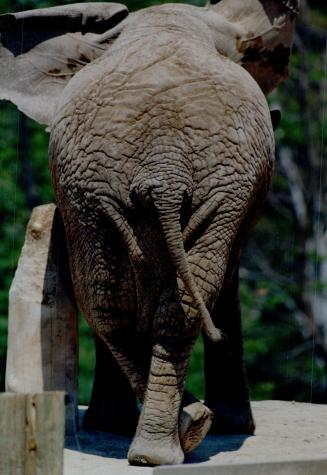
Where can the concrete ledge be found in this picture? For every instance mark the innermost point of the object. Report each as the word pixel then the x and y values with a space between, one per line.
pixel 291 438
pixel 316 467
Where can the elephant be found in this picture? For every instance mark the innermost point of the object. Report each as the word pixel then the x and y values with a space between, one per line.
pixel 161 154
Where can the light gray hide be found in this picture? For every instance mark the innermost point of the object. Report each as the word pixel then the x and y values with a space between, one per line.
pixel 161 155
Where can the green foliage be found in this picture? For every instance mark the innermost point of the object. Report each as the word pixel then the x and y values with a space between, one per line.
pixel 86 361
pixel 38 155
pixel 279 360
pixel 195 382
pixel 12 215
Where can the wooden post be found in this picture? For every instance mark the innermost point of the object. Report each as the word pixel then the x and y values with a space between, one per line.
pixel 32 430
pixel 42 332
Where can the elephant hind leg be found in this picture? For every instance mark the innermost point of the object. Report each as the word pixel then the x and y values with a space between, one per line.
pixel 226 389
pixel 171 423
pixel 213 260
pixel 113 405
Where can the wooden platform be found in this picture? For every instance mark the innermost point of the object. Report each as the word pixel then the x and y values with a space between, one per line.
pixel 291 438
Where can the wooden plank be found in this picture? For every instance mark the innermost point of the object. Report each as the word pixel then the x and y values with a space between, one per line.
pixel 32 430
pixel 43 316
pixel 12 433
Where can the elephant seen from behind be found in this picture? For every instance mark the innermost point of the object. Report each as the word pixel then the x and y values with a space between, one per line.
pixel 161 155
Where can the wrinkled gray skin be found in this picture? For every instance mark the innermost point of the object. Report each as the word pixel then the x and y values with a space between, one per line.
pixel 161 155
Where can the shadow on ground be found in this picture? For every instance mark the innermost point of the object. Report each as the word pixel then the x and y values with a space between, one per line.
pixel 105 444
pixel 215 444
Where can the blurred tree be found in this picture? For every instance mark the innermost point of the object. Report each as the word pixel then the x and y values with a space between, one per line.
pixel 285 264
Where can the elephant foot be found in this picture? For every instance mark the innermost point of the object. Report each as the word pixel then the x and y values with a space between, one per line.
pixel 230 419
pixel 147 452
pixel 194 424
pixel 118 422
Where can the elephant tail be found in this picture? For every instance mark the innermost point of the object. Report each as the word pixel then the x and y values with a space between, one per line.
pixel 171 227
pixel 168 203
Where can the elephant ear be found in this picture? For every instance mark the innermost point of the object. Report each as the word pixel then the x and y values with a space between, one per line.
pixel 41 50
pixel 256 34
